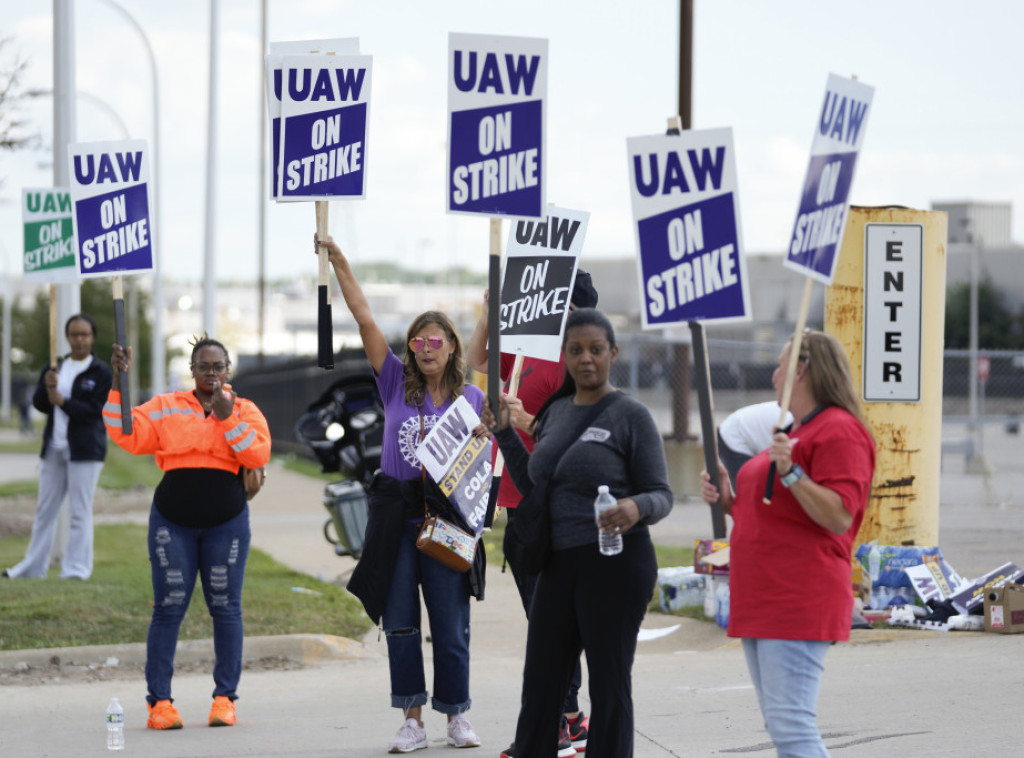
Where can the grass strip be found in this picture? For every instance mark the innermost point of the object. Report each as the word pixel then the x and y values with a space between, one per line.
pixel 115 605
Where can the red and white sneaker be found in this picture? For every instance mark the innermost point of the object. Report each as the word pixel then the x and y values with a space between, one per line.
pixel 565 748
pixel 579 728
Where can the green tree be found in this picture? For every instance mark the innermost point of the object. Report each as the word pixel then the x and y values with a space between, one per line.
pixel 998 328
pixel 14 132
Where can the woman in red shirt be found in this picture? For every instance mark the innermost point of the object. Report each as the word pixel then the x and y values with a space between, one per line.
pixel 789 573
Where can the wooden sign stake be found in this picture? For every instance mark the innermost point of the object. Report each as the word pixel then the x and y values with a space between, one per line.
pixel 787 388
pixel 53 326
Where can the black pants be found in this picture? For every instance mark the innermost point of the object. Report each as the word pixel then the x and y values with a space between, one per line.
pixel 595 603
pixel 527 584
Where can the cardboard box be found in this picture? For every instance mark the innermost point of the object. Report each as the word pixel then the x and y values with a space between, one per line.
pixel 704 560
pixel 1004 609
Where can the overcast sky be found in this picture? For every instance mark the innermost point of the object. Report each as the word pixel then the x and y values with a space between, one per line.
pixel 946 123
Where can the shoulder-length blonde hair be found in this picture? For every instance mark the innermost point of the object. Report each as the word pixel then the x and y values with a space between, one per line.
pixel 454 373
pixel 828 371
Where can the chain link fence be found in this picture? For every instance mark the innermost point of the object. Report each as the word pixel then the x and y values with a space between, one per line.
pixel 650 367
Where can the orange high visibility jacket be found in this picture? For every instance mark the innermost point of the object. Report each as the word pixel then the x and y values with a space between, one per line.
pixel 173 427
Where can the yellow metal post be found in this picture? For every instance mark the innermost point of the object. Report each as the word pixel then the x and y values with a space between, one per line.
pixel 904 505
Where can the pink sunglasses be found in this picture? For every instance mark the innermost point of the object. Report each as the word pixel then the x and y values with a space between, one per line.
pixel 418 343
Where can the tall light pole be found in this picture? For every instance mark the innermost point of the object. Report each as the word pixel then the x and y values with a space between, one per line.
pixel 972 339
pixel 977 464
pixel 261 235
pixel 209 259
pixel 68 296
pixel 158 367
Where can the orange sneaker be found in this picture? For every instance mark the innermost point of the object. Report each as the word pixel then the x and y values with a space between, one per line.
pixel 163 715
pixel 222 712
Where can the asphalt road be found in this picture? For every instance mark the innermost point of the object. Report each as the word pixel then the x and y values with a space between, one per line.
pixel 907 693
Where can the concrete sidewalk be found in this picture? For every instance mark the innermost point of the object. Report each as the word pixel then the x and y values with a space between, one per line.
pixel 901 693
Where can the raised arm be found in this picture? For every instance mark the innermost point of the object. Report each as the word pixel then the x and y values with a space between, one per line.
pixel 476 348
pixel 374 343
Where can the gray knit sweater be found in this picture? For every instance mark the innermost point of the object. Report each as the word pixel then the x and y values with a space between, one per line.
pixel 621 448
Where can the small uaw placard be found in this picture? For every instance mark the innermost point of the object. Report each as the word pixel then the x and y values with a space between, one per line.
pixel 459 462
pixel 893 281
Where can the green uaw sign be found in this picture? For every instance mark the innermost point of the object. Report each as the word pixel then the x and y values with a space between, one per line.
pixel 49 236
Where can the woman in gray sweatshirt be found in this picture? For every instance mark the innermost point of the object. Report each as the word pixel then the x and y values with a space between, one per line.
pixel 585 600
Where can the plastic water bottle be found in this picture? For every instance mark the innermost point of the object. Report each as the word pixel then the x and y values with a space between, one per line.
pixel 722 611
pixel 711 596
pixel 874 563
pixel 609 544
pixel 115 725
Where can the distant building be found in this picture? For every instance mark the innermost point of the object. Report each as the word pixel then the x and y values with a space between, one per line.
pixel 985 228
pixel 974 223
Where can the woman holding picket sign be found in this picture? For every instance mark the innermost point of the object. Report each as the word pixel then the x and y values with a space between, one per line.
pixel 588 434
pixel 416 392
pixel 199 521
pixel 789 569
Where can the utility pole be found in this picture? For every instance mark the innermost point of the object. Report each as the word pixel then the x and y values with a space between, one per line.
pixel 261 234
pixel 69 296
pixel 681 358
pixel 209 258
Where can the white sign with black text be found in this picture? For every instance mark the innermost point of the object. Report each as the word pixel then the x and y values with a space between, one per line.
pixel 540 270
pixel 893 255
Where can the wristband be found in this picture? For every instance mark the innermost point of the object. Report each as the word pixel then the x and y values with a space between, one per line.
pixel 795 475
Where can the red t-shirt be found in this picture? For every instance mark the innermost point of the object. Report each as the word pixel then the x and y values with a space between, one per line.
pixel 538 380
pixel 789 578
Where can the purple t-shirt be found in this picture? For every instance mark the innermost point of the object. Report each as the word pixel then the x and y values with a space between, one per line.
pixel 402 421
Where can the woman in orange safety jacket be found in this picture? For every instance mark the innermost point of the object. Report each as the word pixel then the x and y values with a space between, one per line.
pixel 199 521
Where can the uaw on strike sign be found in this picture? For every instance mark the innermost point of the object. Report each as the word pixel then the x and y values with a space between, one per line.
pixel 496 114
pixel 540 269
pixel 110 192
pixel 49 236
pixel 273 65
pixel 686 213
pixel 459 462
pixel 325 104
pixel 825 198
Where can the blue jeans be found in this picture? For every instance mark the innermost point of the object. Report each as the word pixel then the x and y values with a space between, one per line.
pixel 446 595
pixel 176 555
pixel 787 677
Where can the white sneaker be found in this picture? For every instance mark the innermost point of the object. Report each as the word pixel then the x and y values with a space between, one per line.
pixel 411 736
pixel 461 734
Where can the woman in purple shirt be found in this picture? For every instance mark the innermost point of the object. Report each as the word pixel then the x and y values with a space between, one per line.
pixel 416 391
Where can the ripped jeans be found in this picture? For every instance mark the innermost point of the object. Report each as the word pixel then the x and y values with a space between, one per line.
pixel 176 555
pixel 446 596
